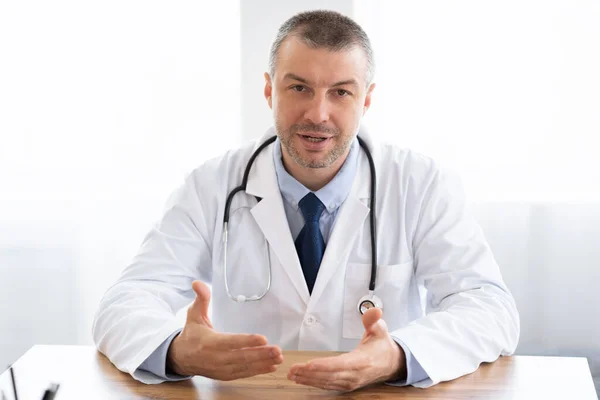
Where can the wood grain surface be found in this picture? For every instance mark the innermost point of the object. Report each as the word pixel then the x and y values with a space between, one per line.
pixel 83 373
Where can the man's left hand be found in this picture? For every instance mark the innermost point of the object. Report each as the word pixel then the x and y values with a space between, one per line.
pixel 377 358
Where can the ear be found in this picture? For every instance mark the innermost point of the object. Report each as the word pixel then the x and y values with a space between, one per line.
pixel 368 98
pixel 268 90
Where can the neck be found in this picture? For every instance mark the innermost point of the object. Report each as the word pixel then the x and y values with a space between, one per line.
pixel 313 178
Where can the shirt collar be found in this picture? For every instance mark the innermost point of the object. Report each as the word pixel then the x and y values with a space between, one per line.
pixel 331 195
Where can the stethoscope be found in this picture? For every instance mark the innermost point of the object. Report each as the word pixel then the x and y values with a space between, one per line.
pixel 367 301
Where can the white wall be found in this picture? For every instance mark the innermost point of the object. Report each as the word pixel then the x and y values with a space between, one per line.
pixel 104 107
pixel 507 93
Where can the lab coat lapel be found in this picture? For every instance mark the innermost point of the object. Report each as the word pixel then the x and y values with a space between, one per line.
pixel 270 216
pixel 351 217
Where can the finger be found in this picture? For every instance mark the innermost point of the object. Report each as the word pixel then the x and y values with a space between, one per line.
pixel 339 376
pixel 249 355
pixel 345 362
pixel 337 385
pixel 251 369
pixel 235 341
pixel 215 364
pixel 370 319
pixel 198 311
pixel 251 372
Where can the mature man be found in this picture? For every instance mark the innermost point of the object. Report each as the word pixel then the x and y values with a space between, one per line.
pixel 320 204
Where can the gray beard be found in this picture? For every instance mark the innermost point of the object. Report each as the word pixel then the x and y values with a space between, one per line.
pixel 336 152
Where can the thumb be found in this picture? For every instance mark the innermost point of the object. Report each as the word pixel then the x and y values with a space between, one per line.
pixel 198 311
pixel 373 323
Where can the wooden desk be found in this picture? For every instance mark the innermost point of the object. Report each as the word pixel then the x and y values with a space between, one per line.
pixel 85 374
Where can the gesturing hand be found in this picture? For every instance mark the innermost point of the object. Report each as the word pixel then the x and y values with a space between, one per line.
pixel 376 359
pixel 200 350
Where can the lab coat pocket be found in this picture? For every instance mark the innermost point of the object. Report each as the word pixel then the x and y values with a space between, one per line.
pixel 392 287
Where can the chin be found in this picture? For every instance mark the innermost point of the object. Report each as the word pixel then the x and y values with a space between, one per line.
pixel 314 163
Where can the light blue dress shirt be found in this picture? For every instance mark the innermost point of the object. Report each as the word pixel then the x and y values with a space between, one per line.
pixel 332 196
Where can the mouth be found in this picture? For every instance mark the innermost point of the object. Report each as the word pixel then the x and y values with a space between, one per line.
pixel 314 137
pixel 314 141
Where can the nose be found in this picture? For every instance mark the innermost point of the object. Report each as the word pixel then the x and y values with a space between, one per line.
pixel 318 109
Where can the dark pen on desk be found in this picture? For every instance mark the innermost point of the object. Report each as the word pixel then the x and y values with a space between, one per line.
pixel 48 393
pixel 14 385
pixel 51 392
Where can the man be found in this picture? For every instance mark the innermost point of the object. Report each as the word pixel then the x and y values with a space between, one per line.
pixel 299 247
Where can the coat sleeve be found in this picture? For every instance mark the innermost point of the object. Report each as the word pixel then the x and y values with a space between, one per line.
pixel 471 316
pixel 138 312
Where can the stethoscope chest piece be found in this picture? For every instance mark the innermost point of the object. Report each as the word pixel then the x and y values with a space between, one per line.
pixel 369 301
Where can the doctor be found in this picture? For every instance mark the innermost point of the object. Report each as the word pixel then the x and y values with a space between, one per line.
pixel 296 271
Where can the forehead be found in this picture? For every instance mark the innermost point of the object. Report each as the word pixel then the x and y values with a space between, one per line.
pixel 321 66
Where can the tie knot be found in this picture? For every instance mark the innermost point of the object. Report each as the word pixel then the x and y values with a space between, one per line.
pixel 311 207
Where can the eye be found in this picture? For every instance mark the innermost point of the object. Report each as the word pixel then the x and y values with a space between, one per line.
pixel 299 88
pixel 342 92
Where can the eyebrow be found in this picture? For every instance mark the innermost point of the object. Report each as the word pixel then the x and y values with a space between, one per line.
pixel 300 79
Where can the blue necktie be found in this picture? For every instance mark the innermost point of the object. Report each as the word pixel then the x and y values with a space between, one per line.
pixel 309 243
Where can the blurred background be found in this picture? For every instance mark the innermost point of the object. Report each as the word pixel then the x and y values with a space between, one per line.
pixel 106 106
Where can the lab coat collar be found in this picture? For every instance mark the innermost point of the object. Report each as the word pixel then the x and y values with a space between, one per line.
pixel 348 223
pixel 270 216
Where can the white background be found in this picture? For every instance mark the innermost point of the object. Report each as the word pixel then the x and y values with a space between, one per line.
pixel 104 108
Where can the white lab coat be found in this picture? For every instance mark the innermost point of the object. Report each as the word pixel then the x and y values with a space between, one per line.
pixel 442 292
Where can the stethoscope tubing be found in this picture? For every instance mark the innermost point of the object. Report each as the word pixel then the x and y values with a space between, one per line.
pixel 372 223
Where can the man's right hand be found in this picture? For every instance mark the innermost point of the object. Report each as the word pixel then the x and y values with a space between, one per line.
pixel 200 350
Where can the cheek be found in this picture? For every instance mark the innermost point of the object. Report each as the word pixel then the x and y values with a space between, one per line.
pixel 348 113
pixel 346 120
pixel 284 111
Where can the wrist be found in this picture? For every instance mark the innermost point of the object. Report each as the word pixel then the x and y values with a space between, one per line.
pixel 173 362
pixel 398 370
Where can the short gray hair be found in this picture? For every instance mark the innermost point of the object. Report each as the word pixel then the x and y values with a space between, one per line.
pixel 324 29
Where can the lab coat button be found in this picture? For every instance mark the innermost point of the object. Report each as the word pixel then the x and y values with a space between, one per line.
pixel 310 320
